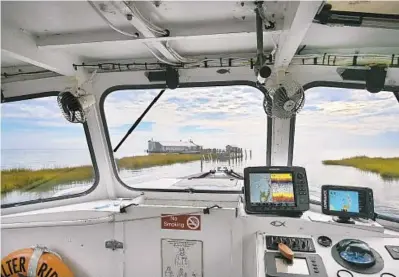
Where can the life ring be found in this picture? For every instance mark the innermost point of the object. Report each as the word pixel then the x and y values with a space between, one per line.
pixel 34 262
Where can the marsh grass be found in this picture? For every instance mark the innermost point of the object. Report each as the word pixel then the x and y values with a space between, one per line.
pixel 387 168
pixel 138 162
pixel 45 179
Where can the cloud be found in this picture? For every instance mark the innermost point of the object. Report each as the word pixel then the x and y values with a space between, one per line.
pixel 332 118
pixel 361 121
pixel 197 128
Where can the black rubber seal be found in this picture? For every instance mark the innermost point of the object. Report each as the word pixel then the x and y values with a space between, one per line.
pixel 387 274
pixel 344 270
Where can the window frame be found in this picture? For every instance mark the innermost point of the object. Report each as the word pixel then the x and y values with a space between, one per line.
pixel 89 145
pixel 346 85
pixel 182 85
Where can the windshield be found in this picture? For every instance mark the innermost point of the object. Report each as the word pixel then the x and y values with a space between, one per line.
pixel 42 155
pixel 350 138
pixel 187 131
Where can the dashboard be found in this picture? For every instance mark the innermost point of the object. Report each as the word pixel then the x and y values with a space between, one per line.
pixel 283 192
pixel 318 261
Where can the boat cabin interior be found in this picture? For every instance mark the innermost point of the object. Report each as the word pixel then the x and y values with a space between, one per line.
pixel 260 221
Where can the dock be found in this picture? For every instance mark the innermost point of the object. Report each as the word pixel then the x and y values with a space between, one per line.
pixel 229 153
pixel 189 147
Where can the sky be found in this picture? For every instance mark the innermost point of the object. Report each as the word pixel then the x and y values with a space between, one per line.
pixel 348 121
pixel 332 119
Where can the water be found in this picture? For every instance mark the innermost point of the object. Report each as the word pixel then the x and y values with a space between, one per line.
pixel 43 158
pixel 386 193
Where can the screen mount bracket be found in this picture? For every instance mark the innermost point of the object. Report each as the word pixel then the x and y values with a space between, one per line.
pixel 343 219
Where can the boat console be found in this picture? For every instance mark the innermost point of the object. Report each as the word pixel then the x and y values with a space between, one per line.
pixel 283 191
pixel 275 232
pixel 347 257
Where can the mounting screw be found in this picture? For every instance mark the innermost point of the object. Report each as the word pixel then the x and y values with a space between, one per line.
pixel 129 16
pixel 242 4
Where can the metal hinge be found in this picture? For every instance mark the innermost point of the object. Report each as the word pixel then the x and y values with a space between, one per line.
pixel 113 244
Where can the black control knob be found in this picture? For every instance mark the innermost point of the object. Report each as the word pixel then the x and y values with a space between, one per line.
pixel 274 242
pixel 300 176
pixel 303 245
pixel 293 244
pixel 287 241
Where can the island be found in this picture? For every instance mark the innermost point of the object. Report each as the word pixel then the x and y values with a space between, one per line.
pixel 387 168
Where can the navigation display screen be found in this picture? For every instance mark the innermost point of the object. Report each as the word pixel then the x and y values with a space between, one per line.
pixel 344 201
pixel 271 188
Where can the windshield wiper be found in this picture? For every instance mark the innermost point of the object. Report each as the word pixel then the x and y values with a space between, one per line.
pixel 139 119
pixel 230 173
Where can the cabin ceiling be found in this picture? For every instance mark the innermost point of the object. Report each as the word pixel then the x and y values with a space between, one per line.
pixel 55 34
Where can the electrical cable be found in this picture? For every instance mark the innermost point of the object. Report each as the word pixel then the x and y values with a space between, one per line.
pixel 343 55
pixel 385 274
pixel 207 63
pixel 126 33
pixel 158 57
pixel 174 53
pixel 151 27
pixel 6 75
pixel 137 14
pixel 146 22
pixel 110 24
pixel 133 14
pixel 109 66
pixel 177 55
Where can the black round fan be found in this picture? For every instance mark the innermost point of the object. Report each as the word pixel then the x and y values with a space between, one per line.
pixel 70 107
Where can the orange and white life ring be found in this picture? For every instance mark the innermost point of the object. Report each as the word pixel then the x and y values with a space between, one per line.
pixel 34 262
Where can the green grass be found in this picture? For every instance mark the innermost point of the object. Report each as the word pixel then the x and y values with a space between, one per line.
pixel 388 168
pixel 138 162
pixel 45 179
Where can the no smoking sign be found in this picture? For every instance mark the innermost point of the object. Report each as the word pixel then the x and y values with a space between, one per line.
pixel 181 222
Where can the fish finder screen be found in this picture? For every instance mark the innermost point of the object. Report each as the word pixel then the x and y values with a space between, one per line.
pixel 272 188
pixel 344 201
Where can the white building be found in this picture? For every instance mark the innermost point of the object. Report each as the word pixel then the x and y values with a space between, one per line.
pixel 173 147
